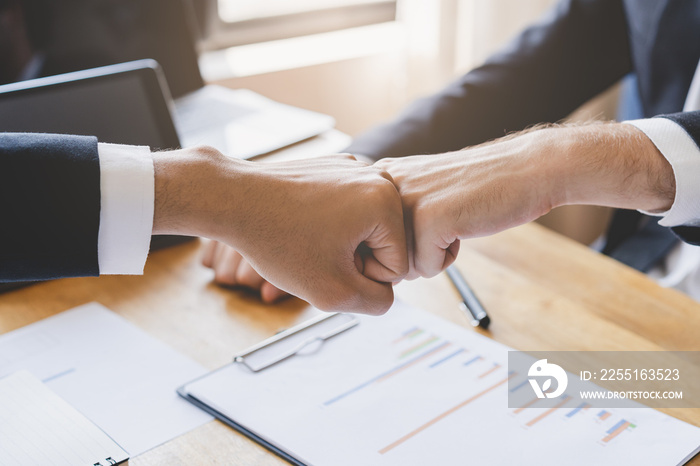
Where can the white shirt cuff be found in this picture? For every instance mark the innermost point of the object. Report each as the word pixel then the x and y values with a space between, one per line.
pixel 126 213
pixel 684 156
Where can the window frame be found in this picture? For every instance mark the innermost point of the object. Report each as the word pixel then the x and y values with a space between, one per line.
pixel 222 34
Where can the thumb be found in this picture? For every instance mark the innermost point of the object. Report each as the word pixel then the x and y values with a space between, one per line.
pixel 432 258
pixel 383 253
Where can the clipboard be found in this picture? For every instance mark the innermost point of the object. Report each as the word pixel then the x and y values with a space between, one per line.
pixel 307 336
pixel 408 388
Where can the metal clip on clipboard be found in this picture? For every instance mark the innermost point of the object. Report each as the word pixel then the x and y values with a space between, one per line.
pixel 294 340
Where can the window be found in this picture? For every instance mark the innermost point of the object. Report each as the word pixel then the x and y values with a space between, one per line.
pixel 239 22
pixel 233 11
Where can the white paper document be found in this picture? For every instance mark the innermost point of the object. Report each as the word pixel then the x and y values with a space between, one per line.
pixel 115 374
pixel 412 389
pixel 38 427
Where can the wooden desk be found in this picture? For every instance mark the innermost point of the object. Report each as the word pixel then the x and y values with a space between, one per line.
pixel 543 291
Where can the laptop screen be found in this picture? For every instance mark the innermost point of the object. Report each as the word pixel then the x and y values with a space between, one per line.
pixel 121 104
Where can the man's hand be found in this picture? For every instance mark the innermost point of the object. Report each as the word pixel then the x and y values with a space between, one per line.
pixel 329 230
pixel 464 194
pixel 495 186
pixel 485 189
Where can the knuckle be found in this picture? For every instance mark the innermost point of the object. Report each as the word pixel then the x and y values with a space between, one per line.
pixel 347 156
pixel 384 192
pixel 383 173
pixel 423 219
pixel 412 275
pixel 402 270
pixel 208 151
pixel 339 159
pixel 331 299
pixel 422 266
pixel 326 303
pixel 385 162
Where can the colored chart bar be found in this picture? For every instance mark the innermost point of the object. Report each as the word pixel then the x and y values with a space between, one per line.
pixel 577 409
pixel 447 358
pixel 389 373
pixel 419 346
pixel 410 333
pixel 617 429
pixel 603 415
pixel 616 426
pixel 519 386
pixel 495 367
pixel 564 400
pixel 473 360
pixel 442 416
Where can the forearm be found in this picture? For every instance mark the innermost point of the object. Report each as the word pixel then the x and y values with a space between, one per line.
pixel 502 184
pixel 608 164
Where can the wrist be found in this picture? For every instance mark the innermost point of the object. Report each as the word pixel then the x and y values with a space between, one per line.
pixel 613 165
pixel 193 189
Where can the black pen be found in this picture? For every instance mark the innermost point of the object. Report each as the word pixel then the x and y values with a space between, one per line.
pixel 470 303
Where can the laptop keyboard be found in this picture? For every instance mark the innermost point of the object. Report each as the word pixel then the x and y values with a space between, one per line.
pixel 241 123
pixel 207 112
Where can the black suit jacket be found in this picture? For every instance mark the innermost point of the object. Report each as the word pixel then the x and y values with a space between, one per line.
pixel 577 50
pixel 50 205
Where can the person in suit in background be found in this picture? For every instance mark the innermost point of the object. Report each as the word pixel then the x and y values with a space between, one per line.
pixel 577 50
pixel 329 230
pixel 23 38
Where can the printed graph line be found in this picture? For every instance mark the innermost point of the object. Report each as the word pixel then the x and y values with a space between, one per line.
pixel 410 333
pixel 389 373
pixel 622 422
pixel 442 416
pixel 473 360
pixel 617 429
pixel 60 374
pixel 578 408
pixel 495 367
pixel 447 358
pixel 429 341
pixel 565 399
pixel 519 386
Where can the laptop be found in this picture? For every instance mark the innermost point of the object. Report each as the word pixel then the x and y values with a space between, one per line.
pixel 123 104
pixel 239 123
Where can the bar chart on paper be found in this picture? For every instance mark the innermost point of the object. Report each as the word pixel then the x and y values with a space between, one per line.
pixel 475 385
pixel 410 388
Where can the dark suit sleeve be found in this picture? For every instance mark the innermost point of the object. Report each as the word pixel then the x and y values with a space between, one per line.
pixel 576 51
pixel 50 206
pixel 690 122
